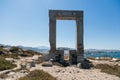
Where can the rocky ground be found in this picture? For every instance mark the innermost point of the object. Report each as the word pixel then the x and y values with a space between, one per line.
pixel 61 73
pixel 73 73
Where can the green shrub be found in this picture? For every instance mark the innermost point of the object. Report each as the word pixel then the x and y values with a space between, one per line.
pixel 114 70
pixel 38 75
pixel 15 49
pixel 15 56
pixel 4 64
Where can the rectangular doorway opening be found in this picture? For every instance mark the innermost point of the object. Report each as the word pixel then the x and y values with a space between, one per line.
pixel 66 35
pixel 66 55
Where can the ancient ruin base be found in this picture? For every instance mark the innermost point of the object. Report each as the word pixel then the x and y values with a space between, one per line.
pixel 80 58
pixel 74 56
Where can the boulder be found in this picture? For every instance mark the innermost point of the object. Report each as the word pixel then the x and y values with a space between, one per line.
pixel 78 65
pixel 40 59
pixel 114 60
pixel 47 64
pixel 86 64
pixel 1 52
pixel 32 64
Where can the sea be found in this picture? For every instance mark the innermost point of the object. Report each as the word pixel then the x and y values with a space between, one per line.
pixel 106 54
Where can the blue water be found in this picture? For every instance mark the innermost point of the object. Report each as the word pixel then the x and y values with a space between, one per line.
pixel 110 54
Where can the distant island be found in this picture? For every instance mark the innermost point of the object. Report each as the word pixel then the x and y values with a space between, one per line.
pixel 87 52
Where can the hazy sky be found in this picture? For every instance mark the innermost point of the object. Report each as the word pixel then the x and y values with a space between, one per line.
pixel 26 22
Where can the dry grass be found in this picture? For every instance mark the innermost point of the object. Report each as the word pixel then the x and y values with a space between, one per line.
pixel 38 75
pixel 114 70
pixel 30 53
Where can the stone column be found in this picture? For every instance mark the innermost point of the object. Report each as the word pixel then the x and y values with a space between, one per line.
pixel 52 34
pixel 80 47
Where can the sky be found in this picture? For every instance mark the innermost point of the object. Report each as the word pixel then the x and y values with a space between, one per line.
pixel 26 22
